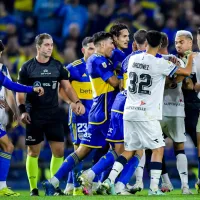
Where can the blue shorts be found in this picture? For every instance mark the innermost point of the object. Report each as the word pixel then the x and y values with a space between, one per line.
pixel 96 135
pixel 116 129
pixel 77 130
pixel 2 130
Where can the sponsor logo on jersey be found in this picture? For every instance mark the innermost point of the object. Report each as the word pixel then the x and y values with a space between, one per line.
pixel 37 84
pixel 46 84
pixel 45 72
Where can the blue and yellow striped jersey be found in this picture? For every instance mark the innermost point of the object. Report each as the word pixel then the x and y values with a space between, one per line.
pixel 80 81
pixel 117 57
pixel 100 69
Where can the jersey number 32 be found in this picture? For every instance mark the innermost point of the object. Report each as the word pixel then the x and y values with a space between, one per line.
pixel 145 81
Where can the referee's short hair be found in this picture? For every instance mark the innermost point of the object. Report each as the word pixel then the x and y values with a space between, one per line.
pixel 86 41
pixel 39 38
pixel 1 46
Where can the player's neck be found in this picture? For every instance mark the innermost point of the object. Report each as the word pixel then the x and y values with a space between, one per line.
pixel 152 51
pixel 163 51
pixel 42 59
pixel 100 53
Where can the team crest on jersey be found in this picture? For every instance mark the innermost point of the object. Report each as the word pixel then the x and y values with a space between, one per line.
pixel 104 65
pixel 37 84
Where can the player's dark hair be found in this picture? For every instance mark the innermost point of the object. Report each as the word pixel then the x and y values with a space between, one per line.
pixel 140 36
pixel 116 28
pixel 198 30
pixel 86 41
pixel 39 38
pixel 164 40
pixel 100 36
pixel 154 38
pixel 1 45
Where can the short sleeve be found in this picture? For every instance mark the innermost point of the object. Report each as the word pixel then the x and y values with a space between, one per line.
pixel 64 73
pixel 23 75
pixel 167 68
pixel 70 69
pixel 105 71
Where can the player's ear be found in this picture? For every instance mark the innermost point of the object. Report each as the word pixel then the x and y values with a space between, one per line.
pixel 82 50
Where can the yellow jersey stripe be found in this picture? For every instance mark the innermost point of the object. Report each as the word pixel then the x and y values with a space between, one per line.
pixel 117 111
pixel 114 140
pixel 99 87
pixel 95 147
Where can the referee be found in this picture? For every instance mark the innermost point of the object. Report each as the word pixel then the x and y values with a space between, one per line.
pixel 41 114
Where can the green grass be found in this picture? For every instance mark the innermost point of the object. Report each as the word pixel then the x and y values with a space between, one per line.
pixel 175 195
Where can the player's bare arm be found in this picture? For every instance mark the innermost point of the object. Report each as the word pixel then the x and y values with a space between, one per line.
pixel 10 99
pixel 25 117
pixel 188 69
pixel 64 97
pixel 70 92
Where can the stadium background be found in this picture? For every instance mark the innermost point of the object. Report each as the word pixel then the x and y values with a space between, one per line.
pixel 69 21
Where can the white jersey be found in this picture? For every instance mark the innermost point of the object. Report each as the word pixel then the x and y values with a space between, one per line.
pixel 3 114
pixel 173 102
pixel 196 68
pixel 145 87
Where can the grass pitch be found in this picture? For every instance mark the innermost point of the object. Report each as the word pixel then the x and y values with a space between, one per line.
pixel 174 195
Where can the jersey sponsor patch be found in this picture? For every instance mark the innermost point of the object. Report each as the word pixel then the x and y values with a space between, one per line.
pixel 37 84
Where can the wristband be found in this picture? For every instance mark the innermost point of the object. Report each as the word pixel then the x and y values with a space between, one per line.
pixel 22 108
pixel 78 101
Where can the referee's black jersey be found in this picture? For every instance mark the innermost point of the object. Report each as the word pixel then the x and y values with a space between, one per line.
pixel 47 75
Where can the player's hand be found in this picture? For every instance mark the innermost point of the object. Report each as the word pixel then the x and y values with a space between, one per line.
pixel 74 108
pixel 39 90
pixel 81 108
pixel 25 118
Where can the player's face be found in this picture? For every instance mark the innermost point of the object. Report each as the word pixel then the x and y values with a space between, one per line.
pixel 108 47
pixel 123 39
pixel 46 48
pixel 198 40
pixel 183 44
pixel 88 50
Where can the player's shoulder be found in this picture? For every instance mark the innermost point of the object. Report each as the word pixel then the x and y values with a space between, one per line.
pixel 77 63
pixel 97 59
pixel 56 62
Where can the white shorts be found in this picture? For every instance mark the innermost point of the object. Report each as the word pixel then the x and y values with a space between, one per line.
pixel 174 128
pixel 142 135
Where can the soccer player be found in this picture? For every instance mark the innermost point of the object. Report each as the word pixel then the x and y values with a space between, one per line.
pixel 197 89
pixel 145 86
pixel 120 35
pixel 80 81
pixel 183 44
pixel 103 82
pixel 5 144
pixel 41 114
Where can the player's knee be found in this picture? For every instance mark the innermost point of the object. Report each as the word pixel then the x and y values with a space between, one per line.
pixel 58 152
pixel 178 146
